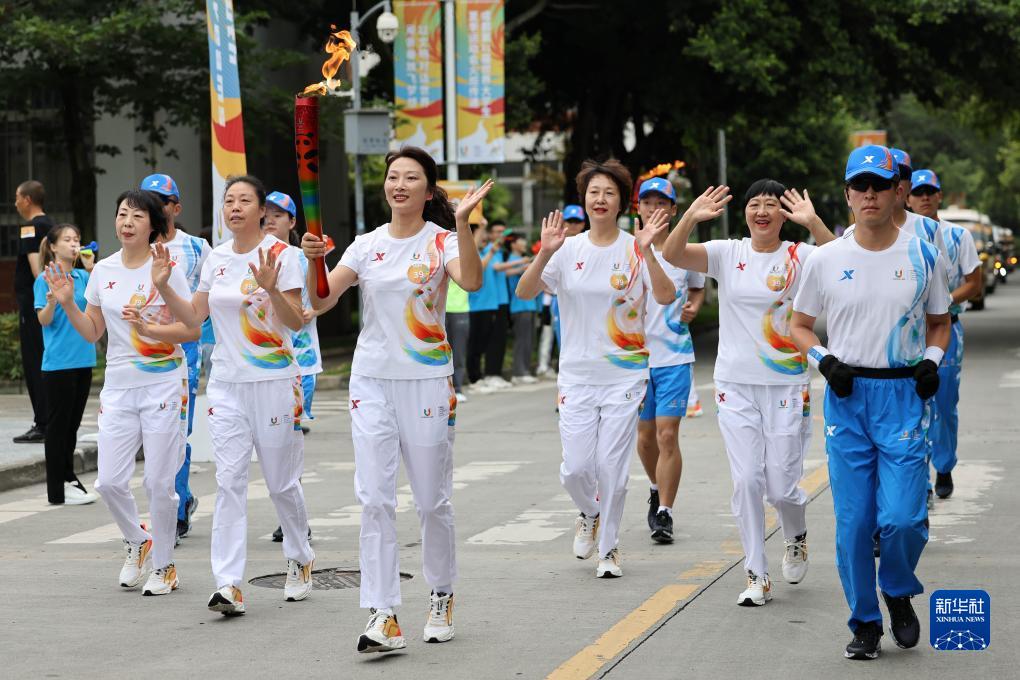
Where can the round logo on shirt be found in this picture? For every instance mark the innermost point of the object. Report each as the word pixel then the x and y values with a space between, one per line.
pixel 249 285
pixel 776 282
pixel 418 273
pixel 618 281
pixel 138 298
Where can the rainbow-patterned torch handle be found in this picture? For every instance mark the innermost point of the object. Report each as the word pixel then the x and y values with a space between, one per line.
pixel 306 147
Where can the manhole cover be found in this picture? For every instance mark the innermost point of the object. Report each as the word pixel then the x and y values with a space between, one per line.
pixel 322 579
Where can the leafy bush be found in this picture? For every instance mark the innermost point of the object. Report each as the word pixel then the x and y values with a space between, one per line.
pixel 10 347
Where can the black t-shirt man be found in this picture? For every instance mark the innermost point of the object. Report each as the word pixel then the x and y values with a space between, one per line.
pixel 29 241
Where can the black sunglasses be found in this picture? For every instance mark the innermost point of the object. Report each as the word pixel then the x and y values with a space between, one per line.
pixel 167 200
pixel 862 183
pixel 924 190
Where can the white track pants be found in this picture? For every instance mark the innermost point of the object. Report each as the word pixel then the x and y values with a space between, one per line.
pixel 267 415
pixel 413 420
pixel 598 431
pixel 153 417
pixel 766 429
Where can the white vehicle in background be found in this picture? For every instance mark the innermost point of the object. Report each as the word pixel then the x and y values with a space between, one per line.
pixel 982 229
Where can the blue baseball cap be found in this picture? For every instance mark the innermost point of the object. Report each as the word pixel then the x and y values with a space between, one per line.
pixel 925 178
pixel 161 184
pixel 573 212
pixel 872 159
pixel 283 202
pixel 659 185
pixel 903 160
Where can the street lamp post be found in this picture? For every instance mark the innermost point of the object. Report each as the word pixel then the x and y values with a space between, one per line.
pixel 386 26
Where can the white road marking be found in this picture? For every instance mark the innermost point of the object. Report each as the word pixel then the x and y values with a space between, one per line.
pixel 1010 379
pixel 545 522
pixel 971 481
pixel 477 471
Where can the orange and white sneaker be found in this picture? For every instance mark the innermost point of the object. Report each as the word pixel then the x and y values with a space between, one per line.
pixel 758 591
pixel 137 563
pixel 694 410
pixel 163 581
pixel 227 601
pixel 382 634
pixel 299 580
pixel 439 627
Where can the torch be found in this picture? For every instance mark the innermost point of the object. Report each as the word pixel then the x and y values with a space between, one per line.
pixel 306 142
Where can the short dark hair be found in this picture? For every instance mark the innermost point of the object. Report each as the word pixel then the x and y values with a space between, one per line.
pixel 766 187
pixel 255 182
pixel 34 191
pixel 147 201
pixel 614 170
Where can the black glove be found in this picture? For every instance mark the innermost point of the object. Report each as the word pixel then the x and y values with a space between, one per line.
pixel 926 375
pixel 839 376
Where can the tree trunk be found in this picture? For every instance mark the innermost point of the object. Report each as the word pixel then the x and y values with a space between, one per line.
pixel 77 118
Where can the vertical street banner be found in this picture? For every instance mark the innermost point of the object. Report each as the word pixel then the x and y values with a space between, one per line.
pixel 418 75
pixel 225 99
pixel 480 81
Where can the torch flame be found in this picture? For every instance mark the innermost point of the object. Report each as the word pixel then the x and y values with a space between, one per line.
pixel 339 46
pixel 661 169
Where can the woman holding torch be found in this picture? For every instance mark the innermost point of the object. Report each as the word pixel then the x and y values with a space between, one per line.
pixel 402 398
pixel 251 288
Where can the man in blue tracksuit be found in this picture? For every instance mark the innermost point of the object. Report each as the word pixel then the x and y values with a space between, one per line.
pixel 885 296
pixel 964 269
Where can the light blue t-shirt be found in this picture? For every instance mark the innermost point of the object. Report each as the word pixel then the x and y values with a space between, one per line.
pixel 517 304
pixel 63 346
pixel 502 294
pixel 486 298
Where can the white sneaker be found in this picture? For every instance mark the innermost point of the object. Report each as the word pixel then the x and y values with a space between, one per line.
pixel 694 410
pixel 299 580
pixel 137 563
pixel 480 387
pixel 586 530
pixel 758 592
pixel 382 634
pixel 523 380
pixel 461 398
pixel 74 494
pixel 162 581
pixel 795 561
pixel 497 382
pixel 439 627
pixel 227 601
pixel 549 374
pixel 609 565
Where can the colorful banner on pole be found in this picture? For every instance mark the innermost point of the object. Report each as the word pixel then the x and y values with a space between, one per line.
pixel 225 99
pixel 418 75
pixel 480 81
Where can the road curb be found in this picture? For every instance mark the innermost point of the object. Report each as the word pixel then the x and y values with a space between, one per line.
pixel 86 459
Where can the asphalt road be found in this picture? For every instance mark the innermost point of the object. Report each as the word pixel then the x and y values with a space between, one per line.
pixel 526 608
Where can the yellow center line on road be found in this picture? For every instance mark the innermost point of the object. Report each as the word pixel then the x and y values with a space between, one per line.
pixel 668 600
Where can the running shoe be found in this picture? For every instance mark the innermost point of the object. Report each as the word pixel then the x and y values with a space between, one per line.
pixel 75 493
pixel 795 561
pixel 694 410
pixel 663 529
pixel 653 507
pixel 299 580
pixel 867 642
pixel 227 601
pixel 943 484
pixel 278 535
pixel 163 581
pixel 903 624
pixel 586 529
pixel 439 626
pixel 480 387
pixel 497 382
pixel 461 398
pixel 758 592
pixel 523 380
pixel 184 525
pixel 137 563
pixel 609 565
pixel 931 500
pixel 382 634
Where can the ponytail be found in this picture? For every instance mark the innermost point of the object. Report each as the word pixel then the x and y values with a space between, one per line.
pixel 439 210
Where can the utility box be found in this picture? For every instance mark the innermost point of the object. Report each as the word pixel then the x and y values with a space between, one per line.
pixel 367 131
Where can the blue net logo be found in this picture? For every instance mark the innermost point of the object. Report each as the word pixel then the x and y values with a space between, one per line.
pixel 960 620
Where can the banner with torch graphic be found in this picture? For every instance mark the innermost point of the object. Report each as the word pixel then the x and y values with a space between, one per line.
pixel 418 76
pixel 339 46
pixel 225 98
pixel 480 81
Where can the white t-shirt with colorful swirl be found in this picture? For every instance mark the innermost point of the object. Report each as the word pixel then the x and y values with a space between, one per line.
pixel 403 285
